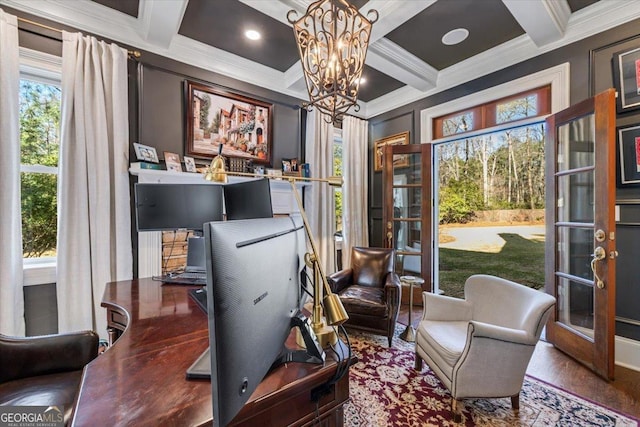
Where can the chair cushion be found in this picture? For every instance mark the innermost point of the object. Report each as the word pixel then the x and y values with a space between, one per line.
pixel 447 339
pixel 364 300
pixel 44 390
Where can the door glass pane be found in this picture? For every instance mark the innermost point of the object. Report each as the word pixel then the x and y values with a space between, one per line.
pixel 576 141
pixel 575 305
pixel 576 197
pixel 575 246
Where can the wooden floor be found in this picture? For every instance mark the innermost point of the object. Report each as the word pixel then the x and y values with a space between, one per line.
pixel 554 367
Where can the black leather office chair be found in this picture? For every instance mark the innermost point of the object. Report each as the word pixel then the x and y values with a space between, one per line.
pixel 45 370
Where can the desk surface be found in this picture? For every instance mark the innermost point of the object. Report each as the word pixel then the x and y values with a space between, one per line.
pixel 141 381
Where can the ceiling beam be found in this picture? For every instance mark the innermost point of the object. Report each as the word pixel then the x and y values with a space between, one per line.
pixel 544 21
pixel 161 20
pixel 389 58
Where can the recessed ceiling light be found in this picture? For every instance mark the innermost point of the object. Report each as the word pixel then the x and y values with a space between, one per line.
pixel 455 36
pixel 363 80
pixel 252 34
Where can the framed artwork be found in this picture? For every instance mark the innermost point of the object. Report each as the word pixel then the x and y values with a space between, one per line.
pixel 629 150
pixel 144 153
pixel 172 160
pixel 626 78
pixel 397 139
pixel 189 164
pixel 214 117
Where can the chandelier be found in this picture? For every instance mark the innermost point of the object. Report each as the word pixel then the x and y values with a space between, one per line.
pixel 332 38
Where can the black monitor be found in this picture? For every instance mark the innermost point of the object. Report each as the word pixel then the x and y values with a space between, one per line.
pixel 248 199
pixel 253 272
pixel 176 206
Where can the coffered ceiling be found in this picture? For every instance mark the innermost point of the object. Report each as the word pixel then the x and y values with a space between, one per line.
pixel 407 59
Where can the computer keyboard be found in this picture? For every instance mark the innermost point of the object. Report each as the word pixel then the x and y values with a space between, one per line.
pixel 186 278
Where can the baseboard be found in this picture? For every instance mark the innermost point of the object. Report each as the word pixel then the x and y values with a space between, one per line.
pixel 627 353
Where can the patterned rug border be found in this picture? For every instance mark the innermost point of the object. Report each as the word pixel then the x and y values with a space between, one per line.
pixel 593 402
pixel 479 409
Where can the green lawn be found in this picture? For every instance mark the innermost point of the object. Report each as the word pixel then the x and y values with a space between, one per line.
pixel 520 260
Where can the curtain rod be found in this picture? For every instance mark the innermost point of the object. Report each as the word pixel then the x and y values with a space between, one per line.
pixel 134 53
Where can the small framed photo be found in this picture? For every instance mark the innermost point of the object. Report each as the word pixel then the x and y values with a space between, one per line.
pixel 190 164
pixel 274 173
pixel 626 78
pixel 144 153
pixel 172 161
pixel 629 150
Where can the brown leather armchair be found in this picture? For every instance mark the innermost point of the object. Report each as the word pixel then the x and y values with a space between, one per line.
pixel 370 290
pixel 45 370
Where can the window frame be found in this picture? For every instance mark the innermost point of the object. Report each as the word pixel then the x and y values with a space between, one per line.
pixel 43 68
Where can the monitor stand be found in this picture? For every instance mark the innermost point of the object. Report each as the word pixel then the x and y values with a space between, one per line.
pixel 201 368
pixel 313 352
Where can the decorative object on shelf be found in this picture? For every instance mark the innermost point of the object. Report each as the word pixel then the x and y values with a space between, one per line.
pixel 291 167
pixel 216 170
pixel 398 161
pixel 172 160
pixel 237 164
pixel 274 173
pixel 215 117
pixel 629 149
pixel 145 165
pixel 305 170
pixel 328 311
pixel 626 77
pixel 333 38
pixel 189 164
pixel 144 153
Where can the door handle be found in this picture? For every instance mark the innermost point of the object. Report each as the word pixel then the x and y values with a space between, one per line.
pixel 598 254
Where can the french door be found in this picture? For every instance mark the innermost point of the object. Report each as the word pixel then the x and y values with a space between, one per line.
pixel 406 198
pixel 580 231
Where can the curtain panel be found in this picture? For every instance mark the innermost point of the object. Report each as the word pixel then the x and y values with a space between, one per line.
pixel 94 222
pixel 355 191
pixel 318 196
pixel 11 278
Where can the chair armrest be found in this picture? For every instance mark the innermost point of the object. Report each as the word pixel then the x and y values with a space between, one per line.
pixel 392 290
pixel 340 280
pixel 42 355
pixel 440 307
pixel 486 330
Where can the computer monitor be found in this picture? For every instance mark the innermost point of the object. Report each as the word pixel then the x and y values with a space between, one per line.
pixel 248 199
pixel 162 207
pixel 253 272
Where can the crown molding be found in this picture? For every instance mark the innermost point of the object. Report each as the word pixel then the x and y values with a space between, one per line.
pixel 544 21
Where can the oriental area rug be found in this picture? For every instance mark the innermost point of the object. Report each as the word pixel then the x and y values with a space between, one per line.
pixel 385 390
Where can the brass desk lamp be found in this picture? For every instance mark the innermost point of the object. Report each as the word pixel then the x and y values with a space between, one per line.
pixel 334 311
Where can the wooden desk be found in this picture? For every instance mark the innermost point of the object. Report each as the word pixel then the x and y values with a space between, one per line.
pixel 140 381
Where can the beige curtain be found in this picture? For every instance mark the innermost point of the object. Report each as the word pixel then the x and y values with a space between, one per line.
pixel 11 281
pixel 318 196
pixel 355 228
pixel 94 223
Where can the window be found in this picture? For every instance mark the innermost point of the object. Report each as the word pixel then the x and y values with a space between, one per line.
pixel 337 171
pixel 39 140
pixel 40 97
pixel 529 104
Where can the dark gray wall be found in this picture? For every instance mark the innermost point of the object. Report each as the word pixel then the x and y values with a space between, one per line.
pixel 591 72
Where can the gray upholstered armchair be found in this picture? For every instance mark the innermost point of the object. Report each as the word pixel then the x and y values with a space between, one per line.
pixel 44 370
pixel 480 346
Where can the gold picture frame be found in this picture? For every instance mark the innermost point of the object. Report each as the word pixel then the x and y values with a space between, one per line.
pixel 378 151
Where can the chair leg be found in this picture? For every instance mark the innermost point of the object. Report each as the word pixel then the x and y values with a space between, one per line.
pixel 456 410
pixel 418 362
pixel 515 402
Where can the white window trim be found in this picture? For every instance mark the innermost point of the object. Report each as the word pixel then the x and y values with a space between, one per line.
pixel 44 68
pixel 557 77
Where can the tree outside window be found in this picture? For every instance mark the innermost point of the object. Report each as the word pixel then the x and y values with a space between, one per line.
pixel 40 141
